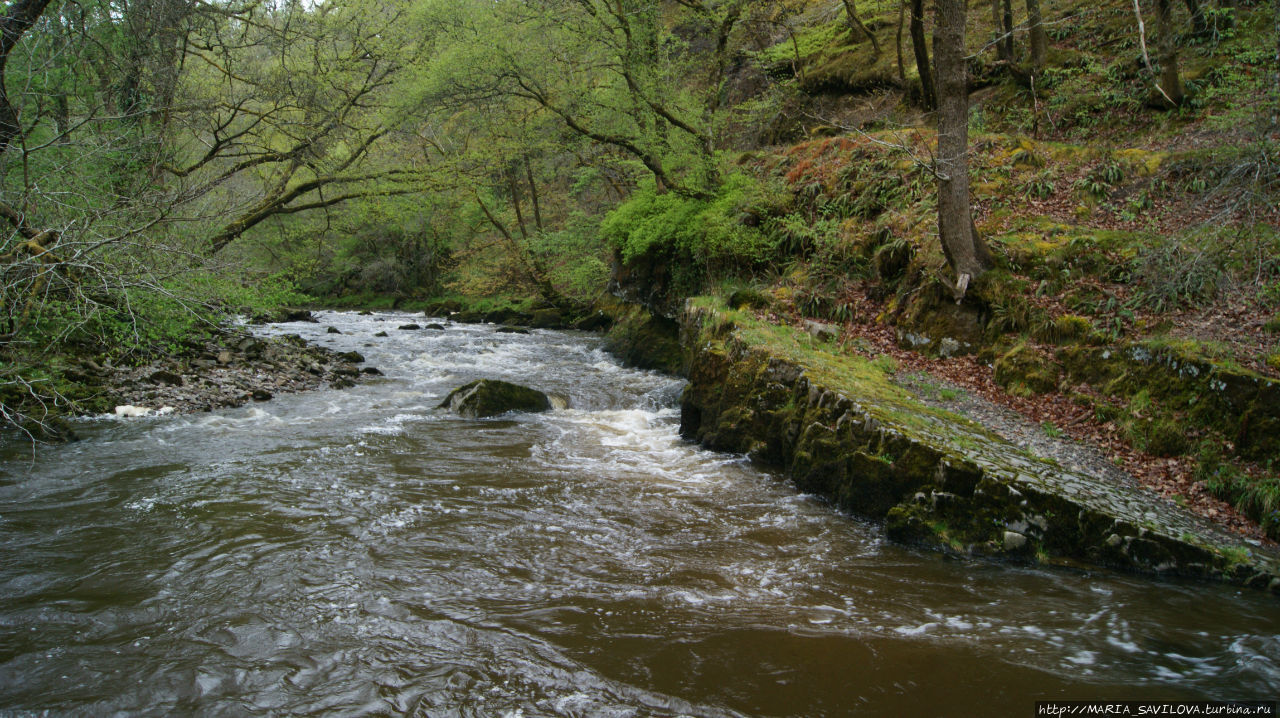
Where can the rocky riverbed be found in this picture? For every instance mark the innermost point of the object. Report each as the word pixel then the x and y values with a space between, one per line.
pixel 230 369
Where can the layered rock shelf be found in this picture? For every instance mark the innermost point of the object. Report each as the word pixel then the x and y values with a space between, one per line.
pixel 836 426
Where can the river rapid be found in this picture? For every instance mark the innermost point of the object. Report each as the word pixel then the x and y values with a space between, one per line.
pixel 360 552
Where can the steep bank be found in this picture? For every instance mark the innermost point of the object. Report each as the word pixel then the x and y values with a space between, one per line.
pixel 838 428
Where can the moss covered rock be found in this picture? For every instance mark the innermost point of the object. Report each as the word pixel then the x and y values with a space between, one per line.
pixel 832 425
pixel 643 339
pixel 490 397
pixel 1024 372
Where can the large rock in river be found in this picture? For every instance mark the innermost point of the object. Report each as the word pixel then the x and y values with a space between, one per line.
pixel 490 397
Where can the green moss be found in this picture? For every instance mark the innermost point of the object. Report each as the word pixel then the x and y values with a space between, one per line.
pixel 645 340
pixel 1066 329
pixel 1024 372
pixel 491 397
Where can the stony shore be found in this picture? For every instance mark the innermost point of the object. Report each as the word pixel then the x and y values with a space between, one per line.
pixel 231 369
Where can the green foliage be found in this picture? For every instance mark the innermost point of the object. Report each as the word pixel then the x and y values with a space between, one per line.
pixel 885 363
pixel 1257 496
pixel 575 258
pixel 807 42
pixel 1176 271
pixel 711 232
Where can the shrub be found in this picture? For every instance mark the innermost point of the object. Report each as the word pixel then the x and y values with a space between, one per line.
pixel 716 233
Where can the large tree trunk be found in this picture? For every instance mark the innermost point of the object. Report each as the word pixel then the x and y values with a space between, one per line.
pixel 1170 79
pixel 927 96
pixel 1039 40
pixel 965 252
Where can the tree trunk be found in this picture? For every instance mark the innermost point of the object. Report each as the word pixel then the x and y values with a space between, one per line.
pixel 965 252
pixel 997 21
pixel 1039 40
pixel 17 18
pixel 927 96
pixel 902 12
pixel 1006 23
pixel 855 23
pixel 1170 79
pixel 533 195
pixel 1198 24
pixel 513 188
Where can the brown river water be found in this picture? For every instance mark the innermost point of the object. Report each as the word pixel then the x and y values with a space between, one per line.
pixel 360 552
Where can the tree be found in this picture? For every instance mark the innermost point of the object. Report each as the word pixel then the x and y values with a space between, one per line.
pixel 1002 20
pixel 919 45
pixel 964 249
pixel 856 24
pixel 19 16
pixel 1037 38
pixel 1170 79
pixel 610 71
pixel 1169 82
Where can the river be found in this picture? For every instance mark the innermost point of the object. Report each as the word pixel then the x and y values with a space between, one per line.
pixel 359 552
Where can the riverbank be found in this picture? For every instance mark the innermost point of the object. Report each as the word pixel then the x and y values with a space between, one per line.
pixel 227 368
pixel 840 427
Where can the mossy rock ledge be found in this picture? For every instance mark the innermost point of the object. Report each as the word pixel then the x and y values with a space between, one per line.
pixel 491 397
pixel 934 478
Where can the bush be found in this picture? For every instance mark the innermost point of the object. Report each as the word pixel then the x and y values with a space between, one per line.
pixel 716 233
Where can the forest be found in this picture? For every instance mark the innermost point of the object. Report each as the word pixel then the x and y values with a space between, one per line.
pixel 1006 197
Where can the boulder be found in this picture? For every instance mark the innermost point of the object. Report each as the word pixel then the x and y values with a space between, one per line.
pixel 511 330
pixel 353 357
pixel 821 331
pixel 435 326
pixel 547 319
pixel 490 397
pixel 380 334
pixel 408 327
pixel 165 377
pixel 332 330
pixel 597 321
pixel 371 371
pixel 297 315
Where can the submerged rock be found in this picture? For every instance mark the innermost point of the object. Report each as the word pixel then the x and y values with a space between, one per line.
pixel 511 330
pixel 408 327
pixel 490 397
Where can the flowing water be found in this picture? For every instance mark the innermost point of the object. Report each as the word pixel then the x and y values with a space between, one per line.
pixel 359 552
